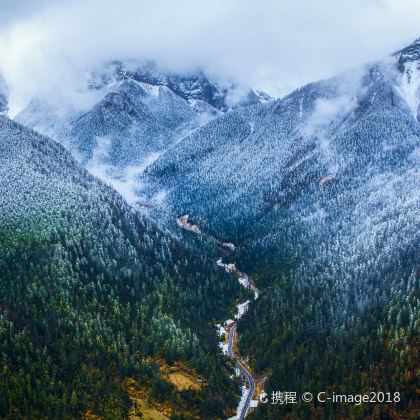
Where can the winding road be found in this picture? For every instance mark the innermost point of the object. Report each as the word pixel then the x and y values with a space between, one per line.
pixel 242 368
pixel 247 283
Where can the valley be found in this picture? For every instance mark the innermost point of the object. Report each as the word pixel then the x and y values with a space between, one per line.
pixel 229 328
pixel 132 228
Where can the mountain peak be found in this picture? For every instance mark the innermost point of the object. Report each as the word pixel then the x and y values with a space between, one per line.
pixel 411 53
pixel 191 86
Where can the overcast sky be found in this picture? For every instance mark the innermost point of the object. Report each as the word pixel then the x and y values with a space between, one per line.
pixel 48 46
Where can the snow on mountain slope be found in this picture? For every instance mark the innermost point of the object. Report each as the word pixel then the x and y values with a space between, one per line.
pixel 139 115
pixel 409 66
pixel 320 193
pixel 327 177
pixel 192 87
pixel 247 148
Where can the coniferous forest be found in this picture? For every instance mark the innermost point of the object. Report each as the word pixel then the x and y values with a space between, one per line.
pixel 91 293
pixel 126 221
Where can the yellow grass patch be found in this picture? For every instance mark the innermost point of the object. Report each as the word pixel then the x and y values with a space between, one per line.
pixel 148 411
pixel 183 380
pixel 143 407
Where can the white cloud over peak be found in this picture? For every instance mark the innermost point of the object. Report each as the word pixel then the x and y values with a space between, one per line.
pixel 48 47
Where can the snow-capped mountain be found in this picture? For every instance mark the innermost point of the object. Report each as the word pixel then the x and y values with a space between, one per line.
pixel 138 116
pixel 320 192
pixel 193 87
pixel 333 166
pixel 409 54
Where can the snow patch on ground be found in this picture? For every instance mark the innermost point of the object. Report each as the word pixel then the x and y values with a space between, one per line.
pixel 228 267
pixel 241 403
pixel 222 331
pixel 229 245
pixel 185 224
pixel 244 281
pixel 224 347
pixel 242 308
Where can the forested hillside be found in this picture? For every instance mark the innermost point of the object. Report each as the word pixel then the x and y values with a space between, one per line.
pixel 91 294
pixel 137 113
pixel 177 244
pixel 317 191
pixel 320 192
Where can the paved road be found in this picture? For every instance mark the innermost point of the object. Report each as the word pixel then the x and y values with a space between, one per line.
pixel 250 392
pixel 249 377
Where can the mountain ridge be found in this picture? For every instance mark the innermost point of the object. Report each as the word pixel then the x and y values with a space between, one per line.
pixel 138 116
pixel 319 193
pixel 92 294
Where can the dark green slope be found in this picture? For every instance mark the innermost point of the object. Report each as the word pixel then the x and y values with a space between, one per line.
pixel 89 290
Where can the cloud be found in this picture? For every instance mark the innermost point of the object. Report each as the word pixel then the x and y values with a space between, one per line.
pixel 48 47
pixel 13 10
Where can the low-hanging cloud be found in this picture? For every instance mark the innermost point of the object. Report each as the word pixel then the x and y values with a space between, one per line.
pixel 48 47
